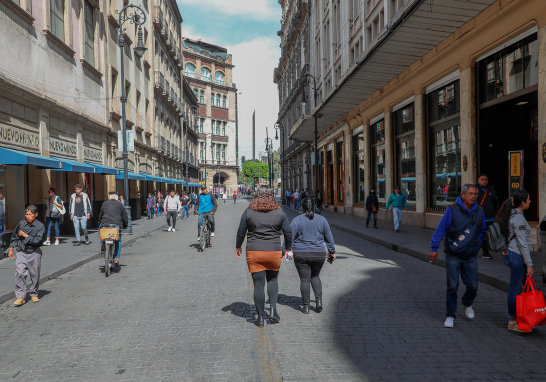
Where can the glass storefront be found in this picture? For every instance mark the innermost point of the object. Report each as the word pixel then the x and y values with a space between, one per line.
pixel 377 130
pixel 12 199
pixel 340 173
pixel 358 166
pixel 404 129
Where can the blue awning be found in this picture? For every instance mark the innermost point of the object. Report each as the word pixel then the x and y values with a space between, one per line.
pixel 409 179
pixel 75 166
pixel 14 157
pixel 154 178
pixel 104 169
pixel 131 176
pixel 194 184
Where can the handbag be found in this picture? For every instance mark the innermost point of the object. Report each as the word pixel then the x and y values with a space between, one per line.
pixel 62 211
pixel 530 307
pixel 374 209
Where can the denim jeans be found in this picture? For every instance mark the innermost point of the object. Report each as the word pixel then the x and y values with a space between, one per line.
pixel 151 212
pixel 518 271
pixel 288 201
pixel 468 269
pixel 397 215
pixel 117 244
pixel 297 204
pixel 55 222
pixel 185 210
pixel 200 222
pixel 80 221
pixel 374 218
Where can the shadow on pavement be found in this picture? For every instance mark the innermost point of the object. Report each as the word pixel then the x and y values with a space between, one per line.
pixel 241 309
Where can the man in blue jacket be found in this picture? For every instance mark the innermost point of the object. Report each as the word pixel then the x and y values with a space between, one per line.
pixel 398 202
pixel 205 204
pixel 462 228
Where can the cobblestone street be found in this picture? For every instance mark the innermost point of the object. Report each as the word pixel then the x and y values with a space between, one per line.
pixel 175 314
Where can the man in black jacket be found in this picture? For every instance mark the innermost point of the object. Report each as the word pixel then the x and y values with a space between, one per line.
pixel 487 199
pixel 113 214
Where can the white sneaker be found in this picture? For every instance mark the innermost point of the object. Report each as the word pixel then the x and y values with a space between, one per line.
pixel 47 242
pixel 469 312
pixel 449 322
pixel 211 234
pixel 170 228
pixel 173 230
pixel 57 242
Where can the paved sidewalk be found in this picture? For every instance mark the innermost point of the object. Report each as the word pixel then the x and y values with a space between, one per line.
pixel 57 260
pixel 415 242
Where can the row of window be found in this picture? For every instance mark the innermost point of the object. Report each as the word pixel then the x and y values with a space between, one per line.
pixel 217 127
pixel 189 71
pixel 217 150
pixel 217 100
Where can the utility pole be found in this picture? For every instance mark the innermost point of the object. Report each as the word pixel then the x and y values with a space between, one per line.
pixel 254 135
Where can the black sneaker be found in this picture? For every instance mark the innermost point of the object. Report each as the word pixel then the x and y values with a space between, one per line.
pixel 77 244
pixel 487 256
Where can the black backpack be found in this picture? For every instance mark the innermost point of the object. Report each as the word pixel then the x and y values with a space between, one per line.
pixel 496 241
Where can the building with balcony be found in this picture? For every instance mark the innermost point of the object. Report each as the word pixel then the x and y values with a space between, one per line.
pixel 417 94
pixel 208 69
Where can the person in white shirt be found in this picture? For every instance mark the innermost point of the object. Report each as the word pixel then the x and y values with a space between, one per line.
pixel 172 207
pixel 297 202
pixel 224 197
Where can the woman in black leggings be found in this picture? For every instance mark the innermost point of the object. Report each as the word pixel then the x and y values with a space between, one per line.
pixel 309 233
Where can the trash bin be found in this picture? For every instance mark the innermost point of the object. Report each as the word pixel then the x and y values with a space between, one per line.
pixel 543 248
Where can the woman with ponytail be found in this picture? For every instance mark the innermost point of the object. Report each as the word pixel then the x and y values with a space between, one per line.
pixel 517 231
pixel 309 233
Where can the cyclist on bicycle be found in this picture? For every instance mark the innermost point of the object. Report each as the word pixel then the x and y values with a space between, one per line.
pixel 113 214
pixel 205 204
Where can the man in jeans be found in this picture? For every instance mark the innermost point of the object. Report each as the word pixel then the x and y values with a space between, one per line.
pixel 150 203
pixel 80 213
pixel 398 201
pixel 172 206
pixel 288 195
pixel 185 206
pixel 462 228
pixel 297 204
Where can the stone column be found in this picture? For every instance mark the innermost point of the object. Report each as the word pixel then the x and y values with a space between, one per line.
pixel 541 120
pixel 367 160
pixel 349 180
pixel 420 154
pixel 468 126
pixel 389 154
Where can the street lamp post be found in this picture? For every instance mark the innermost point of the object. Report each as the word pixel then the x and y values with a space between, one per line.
pixel 268 148
pixel 308 79
pixel 281 126
pixel 137 17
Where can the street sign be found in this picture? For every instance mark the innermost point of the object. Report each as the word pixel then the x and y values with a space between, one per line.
pixel 515 161
pixel 130 140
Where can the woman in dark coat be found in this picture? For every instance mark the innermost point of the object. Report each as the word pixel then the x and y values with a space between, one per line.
pixel 371 202
pixel 262 224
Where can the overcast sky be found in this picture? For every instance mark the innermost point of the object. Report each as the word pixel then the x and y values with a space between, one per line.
pixel 248 29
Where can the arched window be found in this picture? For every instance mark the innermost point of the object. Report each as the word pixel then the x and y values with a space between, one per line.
pixel 205 74
pixel 202 97
pixel 189 70
pixel 224 103
pixel 219 77
pixel 218 100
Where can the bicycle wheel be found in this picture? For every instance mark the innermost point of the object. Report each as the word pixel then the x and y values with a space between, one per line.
pixel 208 234
pixel 107 261
pixel 203 237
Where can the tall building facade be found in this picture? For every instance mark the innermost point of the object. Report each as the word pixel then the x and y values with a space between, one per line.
pixel 424 95
pixel 208 69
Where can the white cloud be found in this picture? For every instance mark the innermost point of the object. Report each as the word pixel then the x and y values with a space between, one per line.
pixel 260 9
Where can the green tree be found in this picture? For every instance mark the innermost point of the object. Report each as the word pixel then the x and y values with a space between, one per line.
pixel 252 170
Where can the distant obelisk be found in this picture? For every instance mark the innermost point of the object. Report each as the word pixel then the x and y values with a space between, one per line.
pixel 254 135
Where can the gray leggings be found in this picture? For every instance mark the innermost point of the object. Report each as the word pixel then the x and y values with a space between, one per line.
pixel 259 279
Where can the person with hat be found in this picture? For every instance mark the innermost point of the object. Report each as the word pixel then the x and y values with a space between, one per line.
pixel 398 202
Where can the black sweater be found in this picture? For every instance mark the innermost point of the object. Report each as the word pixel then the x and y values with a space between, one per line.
pixel 488 201
pixel 113 212
pixel 263 230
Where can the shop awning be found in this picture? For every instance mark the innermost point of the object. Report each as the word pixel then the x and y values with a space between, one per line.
pixel 13 157
pixel 75 166
pixel 131 176
pixel 154 178
pixel 194 184
pixel 104 169
pixel 409 179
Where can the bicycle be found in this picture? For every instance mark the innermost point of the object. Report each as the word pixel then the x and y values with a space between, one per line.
pixel 110 235
pixel 204 237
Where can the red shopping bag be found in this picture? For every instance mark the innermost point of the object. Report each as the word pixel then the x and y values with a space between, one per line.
pixel 530 307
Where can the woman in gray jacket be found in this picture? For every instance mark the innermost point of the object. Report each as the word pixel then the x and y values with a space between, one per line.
pixel 517 231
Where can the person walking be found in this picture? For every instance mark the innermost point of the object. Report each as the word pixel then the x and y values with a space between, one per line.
pixel 160 201
pixel 462 229
pixel 446 192
pixel 54 211
pixel 372 207
pixel 398 202
pixel 309 234
pixel 262 224
pixel 319 200
pixel 171 207
pixel 185 202
pixel 150 203
pixel 26 239
pixel 113 214
pixel 234 198
pixel 80 213
pixel 517 256
pixel 288 195
pixel 121 200
pixel 487 199
pixel 297 204
pixel 224 197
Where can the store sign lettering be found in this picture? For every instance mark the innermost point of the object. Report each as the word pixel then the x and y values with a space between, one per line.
pixel 19 137
pixel 91 154
pixel 62 147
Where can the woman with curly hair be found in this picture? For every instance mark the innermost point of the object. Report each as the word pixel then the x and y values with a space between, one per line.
pixel 262 224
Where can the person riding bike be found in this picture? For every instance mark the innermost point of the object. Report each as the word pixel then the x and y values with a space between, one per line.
pixel 205 204
pixel 113 214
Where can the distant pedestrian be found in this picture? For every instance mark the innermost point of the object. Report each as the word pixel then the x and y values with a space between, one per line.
pixel 80 212
pixel 185 202
pixel 234 198
pixel 319 200
pixel 224 197
pixel 309 234
pixel 487 199
pixel 372 207
pixel 262 224
pixel 171 207
pixel 288 195
pixel 462 229
pixel 446 192
pixel 54 211
pixel 121 199
pixel 160 201
pixel 398 202
pixel 297 204
pixel 27 239
pixel 517 231
pixel 150 203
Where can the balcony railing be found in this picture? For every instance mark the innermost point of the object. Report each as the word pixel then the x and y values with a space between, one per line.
pixel 167 89
pixel 159 80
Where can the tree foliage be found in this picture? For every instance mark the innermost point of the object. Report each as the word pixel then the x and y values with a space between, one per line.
pixel 253 170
